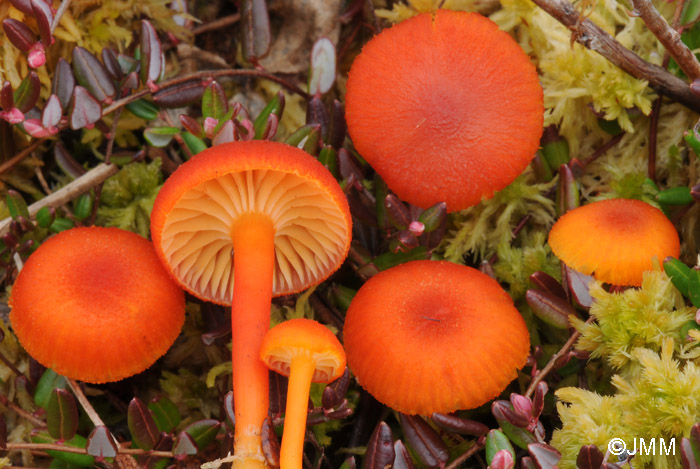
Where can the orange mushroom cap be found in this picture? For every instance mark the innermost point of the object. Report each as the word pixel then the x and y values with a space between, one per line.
pixel 445 107
pixel 195 210
pixel 95 304
pixel 307 337
pixel 615 239
pixel 433 336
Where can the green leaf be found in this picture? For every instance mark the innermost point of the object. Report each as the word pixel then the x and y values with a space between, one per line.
pixel 679 274
pixel 160 136
pixel 214 103
pixel 391 259
pixel 143 109
pixel 83 206
pixel 165 413
pixel 495 442
pixel 47 383
pixel 675 196
pixel 556 153
pixel 194 143
pixel 61 224
pixel 691 11
pixel 16 205
pixel 694 287
pixel 328 158
pixel 275 106
pixel 142 426
pixel 203 432
pixel 62 415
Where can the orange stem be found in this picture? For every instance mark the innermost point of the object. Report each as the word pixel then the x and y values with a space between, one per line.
pixel 301 371
pixel 253 264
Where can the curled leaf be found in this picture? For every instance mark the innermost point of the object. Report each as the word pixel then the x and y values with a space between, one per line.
pixel 456 424
pixel 380 448
pixel 44 18
pixel 151 54
pixel 322 73
pixel 179 95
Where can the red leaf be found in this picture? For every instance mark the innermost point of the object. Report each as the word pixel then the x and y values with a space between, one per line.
pixel 151 53
pixel 44 18
pixel 92 75
pixel 19 34
pixel 255 23
pixel 85 110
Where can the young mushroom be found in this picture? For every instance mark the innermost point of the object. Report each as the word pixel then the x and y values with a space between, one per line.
pixel 95 304
pixel 433 336
pixel 306 351
pixel 242 222
pixel 614 239
pixel 446 107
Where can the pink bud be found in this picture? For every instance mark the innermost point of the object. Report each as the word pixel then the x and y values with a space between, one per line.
pixel 248 125
pixel 152 87
pixel 37 55
pixel 521 405
pixel 209 125
pixel 502 460
pixel 13 116
pixel 416 228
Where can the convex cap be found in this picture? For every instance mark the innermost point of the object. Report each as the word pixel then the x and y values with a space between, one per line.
pixel 614 239
pixel 95 304
pixel 446 107
pixel 433 336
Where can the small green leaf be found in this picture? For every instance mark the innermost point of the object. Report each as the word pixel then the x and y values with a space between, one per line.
pixel 556 153
pixel 300 134
pixel 214 103
pixel 194 143
pixel 390 259
pixel 160 136
pixel 276 107
pixel 16 205
pixel 165 413
pixel 203 432
pixel 83 206
pixel 143 109
pixel 692 142
pixel 691 12
pixel 61 224
pixel 495 442
pixel 328 158
pixel 687 327
pixel 694 287
pixel 62 415
pixel 47 383
pixel 675 196
pixel 679 274
pixel 520 436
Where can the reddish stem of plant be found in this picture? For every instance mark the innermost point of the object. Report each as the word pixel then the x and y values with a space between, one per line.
pixel 254 260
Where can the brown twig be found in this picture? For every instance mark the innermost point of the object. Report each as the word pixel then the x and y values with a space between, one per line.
pixel 85 404
pixel 7 165
pixel 669 37
pixel 59 13
pixel 68 192
pixel 596 39
pixel 468 454
pixel 653 131
pixel 71 449
pixel 600 151
pixel 21 412
pixel 217 24
pixel 550 365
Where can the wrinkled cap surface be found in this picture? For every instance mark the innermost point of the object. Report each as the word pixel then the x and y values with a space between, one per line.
pixel 445 107
pixel 433 336
pixel 198 204
pixel 616 240
pixel 302 336
pixel 95 304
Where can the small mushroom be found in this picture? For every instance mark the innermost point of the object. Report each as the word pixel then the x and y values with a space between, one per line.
pixel 306 351
pixel 446 107
pixel 615 239
pixel 242 222
pixel 433 336
pixel 95 304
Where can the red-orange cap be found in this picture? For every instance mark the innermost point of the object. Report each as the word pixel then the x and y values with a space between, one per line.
pixel 303 336
pixel 433 336
pixel 95 304
pixel 445 107
pixel 615 239
pixel 194 211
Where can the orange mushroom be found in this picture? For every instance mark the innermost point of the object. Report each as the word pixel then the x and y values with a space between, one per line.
pixel 267 215
pixel 615 239
pixel 433 336
pixel 95 304
pixel 445 107
pixel 306 351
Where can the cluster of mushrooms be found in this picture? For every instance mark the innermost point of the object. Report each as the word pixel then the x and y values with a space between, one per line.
pixel 242 222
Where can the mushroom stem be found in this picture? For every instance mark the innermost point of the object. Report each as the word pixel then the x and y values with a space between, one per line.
pixel 300 373
pixel 254 260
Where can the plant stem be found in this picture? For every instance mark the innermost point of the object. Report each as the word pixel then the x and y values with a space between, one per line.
pixel 72 449
pixel 550 365
pixel 21 412
pixel 7 165
pixel 59 13
pixel 87 407
pixel 669 37
pixel 596 39
pixel 468 454
pixel 68 192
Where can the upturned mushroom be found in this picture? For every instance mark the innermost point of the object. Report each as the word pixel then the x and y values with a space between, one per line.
pixel 242 222
pixel 615 240
pixel 95 304
pixel 433 336
pixel 307 352
pixel 445 107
